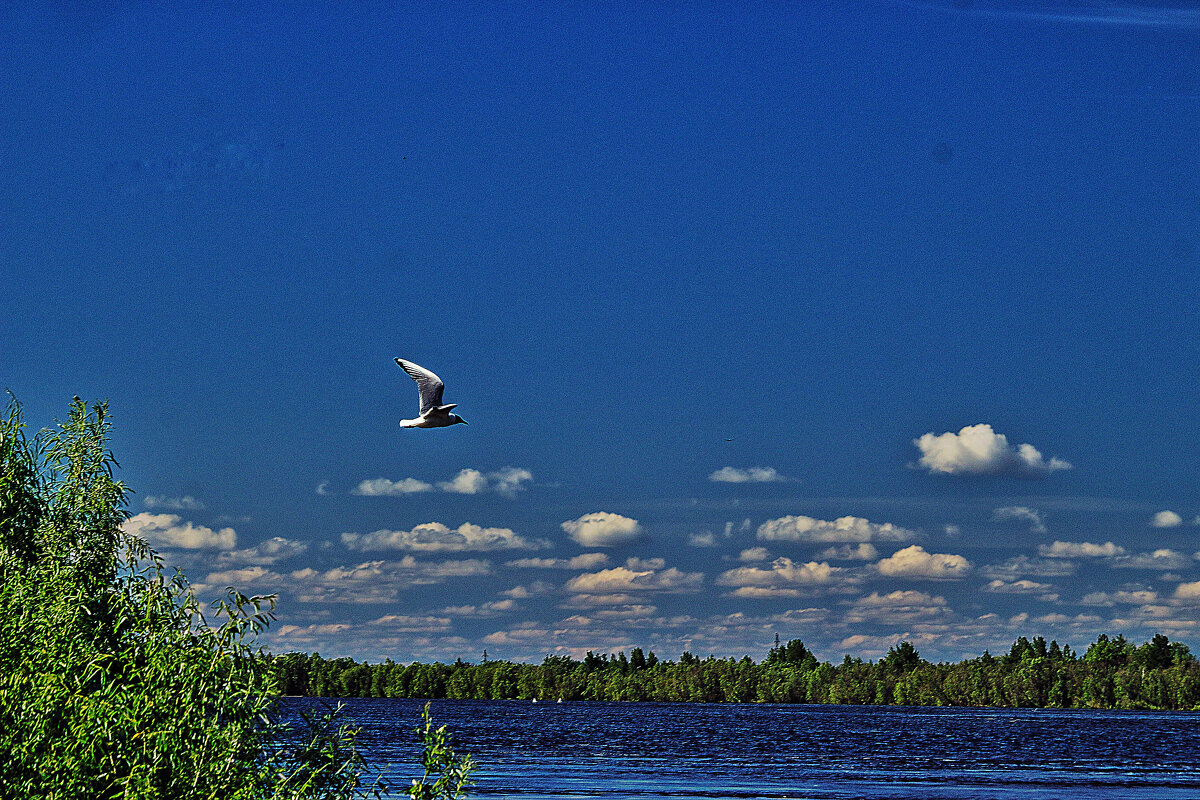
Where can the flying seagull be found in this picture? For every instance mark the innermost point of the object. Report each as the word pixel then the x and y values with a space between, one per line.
pixel 433 413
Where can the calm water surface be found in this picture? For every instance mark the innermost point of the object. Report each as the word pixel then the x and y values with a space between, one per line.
pixel 661 750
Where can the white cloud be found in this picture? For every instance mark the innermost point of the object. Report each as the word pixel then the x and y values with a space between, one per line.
pixel 754 554
pixel 623 579
pixel 914 562
pixel 482 610
pixel 310 631
pixel 382 487
pixel 1135 598
pixel 1188 591
pixel 636 563
pixel 186 503
pixel 408 623
pixel 371 581
pixel 780 574
pixel 863 551
pixel 842 529
pixel 518 636
pixel 1017 587
pixel 901 607
pixel 1019 566
pixel 432 537
pixel 1163 558
pixel 530 590
pixel 749 475
pixel 598 600
pixel 272 550
pixel 765 592
pixel 584 561
pixel 1166 519
pixel 507 481
pixel 602 529
pixel 978 450
pixel 510 480
pixel 1080 550
pixel 323 488
pixel 1036 524
pixel 169 530
pixel 702 539
pixel 467 481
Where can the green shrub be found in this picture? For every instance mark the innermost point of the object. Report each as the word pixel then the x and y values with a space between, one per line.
pixel 114 683
pixel 447 775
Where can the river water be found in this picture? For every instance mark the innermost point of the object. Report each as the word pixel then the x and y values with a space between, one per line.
pixel 675 750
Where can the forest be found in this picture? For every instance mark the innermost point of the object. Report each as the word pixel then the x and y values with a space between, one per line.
pixel 1111 673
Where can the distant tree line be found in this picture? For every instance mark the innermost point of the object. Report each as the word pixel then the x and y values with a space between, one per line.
pixel 1111 673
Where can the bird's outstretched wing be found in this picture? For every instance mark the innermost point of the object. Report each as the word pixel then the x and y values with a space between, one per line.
pixel 429 386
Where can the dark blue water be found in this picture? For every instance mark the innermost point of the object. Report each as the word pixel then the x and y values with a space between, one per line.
pixel 657 750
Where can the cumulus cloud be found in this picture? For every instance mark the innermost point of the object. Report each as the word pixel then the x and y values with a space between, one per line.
pixel 1080 550
pixel 169 530
pixel 310 631
pixel 748 475
pixel 521 635
pixel 978 450
pixel 902 606
pixel 600 600
pixel 245 576
pixel 186 503
pixel 507 481
pixel 602 529
pixel 1019 566
pixel 636 563
pixel 584 561
pixel 1166 519
pixel 1017 587
pixel 1135 598
pixel 382 487
pixel 914 562
pixel 754 554
pixel 371 581
pixel 624 579
pixel 1036 524
pixel 409 623
pixel 490 609
pixel 765 592
pixel 510 480
pixel 781 573
pixel 271 551
pixel 1163 558
pixel 1188 591
pixel 842 529
pixel 702 539
pixel 436 537
pixel 863 551
pixel 467 481
pixel 529 590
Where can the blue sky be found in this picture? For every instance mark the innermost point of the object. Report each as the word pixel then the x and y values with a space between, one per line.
pixel 844 322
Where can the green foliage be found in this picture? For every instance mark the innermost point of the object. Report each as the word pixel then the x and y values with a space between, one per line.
pixel 449 772
pixel 323 760
pixel 113 682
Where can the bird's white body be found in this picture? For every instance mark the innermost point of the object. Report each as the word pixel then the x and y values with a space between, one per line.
pixel 432 420
pixel 429 386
